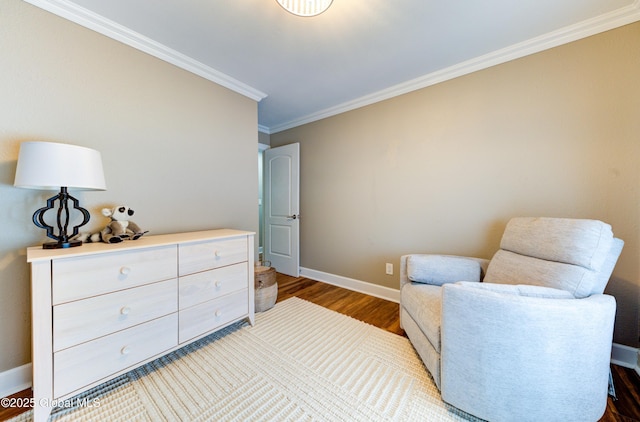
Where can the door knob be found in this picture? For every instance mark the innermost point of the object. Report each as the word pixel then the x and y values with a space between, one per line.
pixel 293 217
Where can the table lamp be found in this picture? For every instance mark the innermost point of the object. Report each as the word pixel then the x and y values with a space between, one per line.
pixel 53 166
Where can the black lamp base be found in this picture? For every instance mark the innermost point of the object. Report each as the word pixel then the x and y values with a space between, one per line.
pixel 61 245
pixel 63 239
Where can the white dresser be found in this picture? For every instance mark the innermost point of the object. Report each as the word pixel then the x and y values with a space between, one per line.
pixel 100 310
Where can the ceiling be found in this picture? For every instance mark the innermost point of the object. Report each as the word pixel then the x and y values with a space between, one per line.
pixel 356 53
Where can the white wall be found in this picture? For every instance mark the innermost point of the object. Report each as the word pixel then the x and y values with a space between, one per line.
pixel 178 149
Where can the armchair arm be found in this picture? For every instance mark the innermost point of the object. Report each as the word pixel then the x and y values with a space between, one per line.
pixel 544 354
pixel 440 269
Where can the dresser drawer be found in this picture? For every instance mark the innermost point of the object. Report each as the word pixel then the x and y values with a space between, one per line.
pixel 86 363
pixel 213 314
pixel 87 319
pixel 202 256
pixel 85 276
pixel 204 286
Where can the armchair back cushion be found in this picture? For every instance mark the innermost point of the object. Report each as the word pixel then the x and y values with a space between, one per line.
pixel 568 254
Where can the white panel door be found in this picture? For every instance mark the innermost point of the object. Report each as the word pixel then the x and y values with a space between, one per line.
pixel 282 208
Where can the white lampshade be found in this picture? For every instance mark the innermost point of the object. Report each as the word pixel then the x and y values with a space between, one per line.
pixel 50 165
pixel 305 7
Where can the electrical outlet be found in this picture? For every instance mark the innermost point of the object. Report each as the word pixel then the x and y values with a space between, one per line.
pixel 389 269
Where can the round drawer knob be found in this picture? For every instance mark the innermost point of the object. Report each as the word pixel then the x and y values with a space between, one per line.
pixel 125 310
pixel 125 350
pixel 218 283
pixel 125 270
pixel 217 254
pixel 218 312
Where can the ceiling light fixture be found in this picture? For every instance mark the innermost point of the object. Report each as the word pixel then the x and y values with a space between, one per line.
pixel 305 7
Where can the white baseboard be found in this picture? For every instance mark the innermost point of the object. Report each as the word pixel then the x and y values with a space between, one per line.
pixel 626 356
pixel 622 355
pixel 14 380
pixel 365 287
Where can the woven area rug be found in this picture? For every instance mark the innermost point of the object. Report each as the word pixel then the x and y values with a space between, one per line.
pixel 300 362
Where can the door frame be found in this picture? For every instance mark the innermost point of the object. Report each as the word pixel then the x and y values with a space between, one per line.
pixel 261 149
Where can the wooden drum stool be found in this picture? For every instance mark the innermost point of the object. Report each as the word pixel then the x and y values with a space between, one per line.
pixel 266 288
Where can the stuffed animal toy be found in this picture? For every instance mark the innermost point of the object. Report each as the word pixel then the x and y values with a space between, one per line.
pixel 119 229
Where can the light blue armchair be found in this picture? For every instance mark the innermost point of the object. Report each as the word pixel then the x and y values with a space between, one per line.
pixel 525 336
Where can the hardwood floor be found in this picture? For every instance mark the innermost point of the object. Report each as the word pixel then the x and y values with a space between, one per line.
pixel 19 398
pixel 378 312
pixel 384 314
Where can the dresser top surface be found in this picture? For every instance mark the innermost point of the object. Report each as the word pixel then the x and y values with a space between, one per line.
pixel 37 253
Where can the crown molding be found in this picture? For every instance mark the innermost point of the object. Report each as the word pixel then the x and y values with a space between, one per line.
pixel 589 27
pixel 95 22
pixel 84 17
